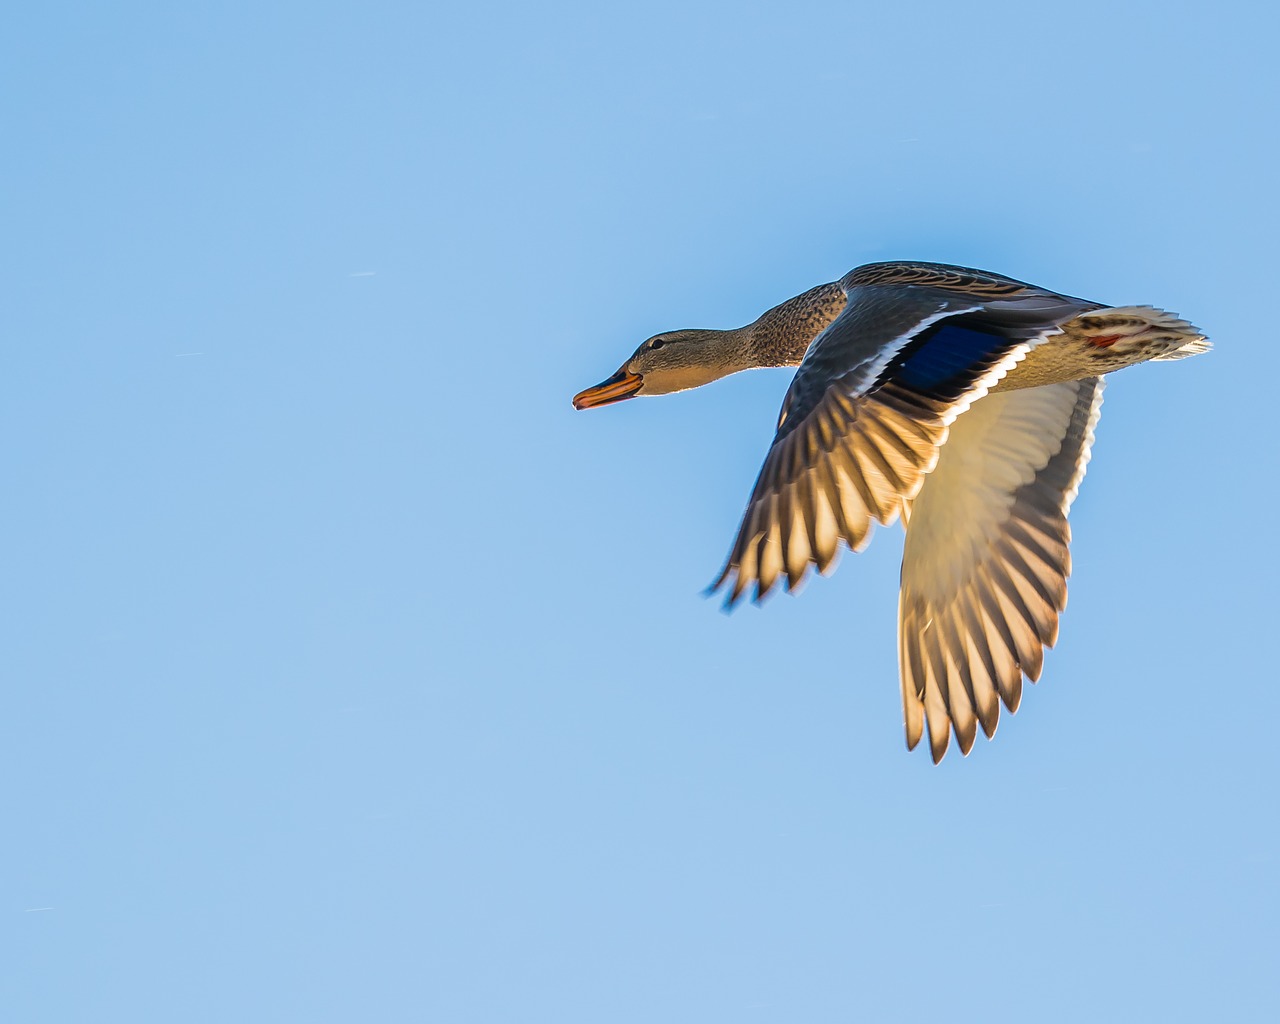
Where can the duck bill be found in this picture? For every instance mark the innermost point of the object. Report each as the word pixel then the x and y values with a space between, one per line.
pixel 621 385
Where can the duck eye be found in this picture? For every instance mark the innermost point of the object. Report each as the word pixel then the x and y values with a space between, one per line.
pixel 656 343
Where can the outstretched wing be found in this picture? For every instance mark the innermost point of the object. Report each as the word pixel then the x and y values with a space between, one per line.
pixel 986 560
pixel 871 404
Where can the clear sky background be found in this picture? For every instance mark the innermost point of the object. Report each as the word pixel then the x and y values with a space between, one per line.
pixel 350 675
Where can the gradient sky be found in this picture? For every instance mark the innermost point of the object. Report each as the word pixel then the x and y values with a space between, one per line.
pixel 350 675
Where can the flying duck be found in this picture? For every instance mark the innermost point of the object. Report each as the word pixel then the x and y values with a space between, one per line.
pixel 964 402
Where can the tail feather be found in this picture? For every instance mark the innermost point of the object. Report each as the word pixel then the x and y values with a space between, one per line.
pixel 1150 326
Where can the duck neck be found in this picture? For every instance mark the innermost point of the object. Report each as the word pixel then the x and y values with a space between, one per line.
pixel 781 335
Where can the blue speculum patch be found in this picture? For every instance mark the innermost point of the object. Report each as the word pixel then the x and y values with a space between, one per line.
pixel 947 353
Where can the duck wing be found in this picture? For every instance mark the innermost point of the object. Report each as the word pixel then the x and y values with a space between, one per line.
pixel 986 560
pixel 871 404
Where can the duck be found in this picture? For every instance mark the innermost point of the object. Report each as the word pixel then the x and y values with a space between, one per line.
pixel 959 401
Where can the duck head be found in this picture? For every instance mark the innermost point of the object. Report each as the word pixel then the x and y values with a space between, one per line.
pixel 674 361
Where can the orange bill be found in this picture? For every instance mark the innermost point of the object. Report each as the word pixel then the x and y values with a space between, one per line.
pixel 621 385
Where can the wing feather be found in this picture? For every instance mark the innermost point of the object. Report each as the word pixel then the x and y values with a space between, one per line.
pixel 987 555
pixel 872 404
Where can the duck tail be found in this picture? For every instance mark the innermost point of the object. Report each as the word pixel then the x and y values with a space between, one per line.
pixel 1176 337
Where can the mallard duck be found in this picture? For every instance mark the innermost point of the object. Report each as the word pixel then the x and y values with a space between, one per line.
pixel 964 402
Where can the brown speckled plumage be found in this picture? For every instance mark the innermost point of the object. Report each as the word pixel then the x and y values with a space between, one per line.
pixel 781 335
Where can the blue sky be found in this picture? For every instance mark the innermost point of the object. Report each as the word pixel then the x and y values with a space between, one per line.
pixel 349 674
